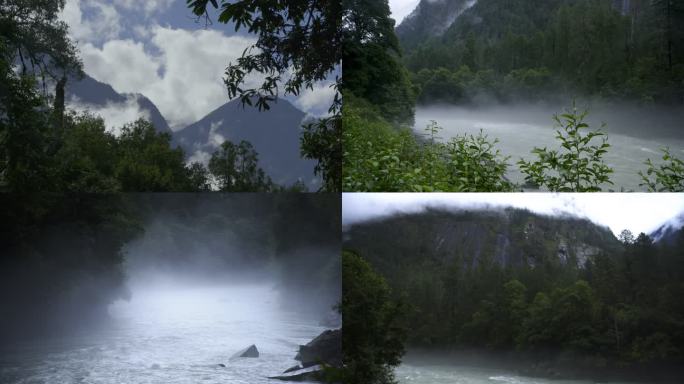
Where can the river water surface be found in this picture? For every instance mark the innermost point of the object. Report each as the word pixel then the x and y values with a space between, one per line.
pixel 409 373
pixel 170 335
pixel 634 134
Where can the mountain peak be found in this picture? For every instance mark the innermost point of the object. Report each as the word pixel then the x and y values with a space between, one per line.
pixel 274 134
pixel 100 98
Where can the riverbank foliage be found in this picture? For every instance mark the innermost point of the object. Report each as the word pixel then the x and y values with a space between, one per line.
pixel 578 166
pixel 541 286
pixel 380 157
pixel 665 177
pixel 374 334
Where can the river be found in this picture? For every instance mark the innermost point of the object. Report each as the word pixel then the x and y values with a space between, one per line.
pixel 170 335
pixel 634 133
pixel 412 373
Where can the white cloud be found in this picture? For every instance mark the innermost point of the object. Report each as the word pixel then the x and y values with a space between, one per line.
pixel 317 101
pixel 216 139
pixel 102 21
pixel 123 64
pixel 183 76
pixel 638 212
pixel 401 8
pixel 147 6
pixel 115 115
pixel 200 157
pixel 180 70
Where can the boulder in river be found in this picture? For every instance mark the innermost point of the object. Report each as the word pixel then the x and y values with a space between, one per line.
pixel 312 373
pixel 250 351
pixel 324 350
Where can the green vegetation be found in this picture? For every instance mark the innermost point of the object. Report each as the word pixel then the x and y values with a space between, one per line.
pixel 523 49
pixel 579 168
pixel 236 170
pixel 373 336
pixel 666 177
pixel 371 57
pixel 379 157
pixel 553 289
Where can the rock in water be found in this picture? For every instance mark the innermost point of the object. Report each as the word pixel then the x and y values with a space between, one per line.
pixel 250 351
pixel 326 348
pixel 304 374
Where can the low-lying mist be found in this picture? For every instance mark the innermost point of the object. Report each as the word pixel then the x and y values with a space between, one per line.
pixel 635 132
pixel 169 286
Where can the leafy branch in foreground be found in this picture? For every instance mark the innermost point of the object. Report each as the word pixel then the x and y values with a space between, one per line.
pixel 298 44
pixel 474 163
pixel 578 166
pixel 669 176
pixel 322 141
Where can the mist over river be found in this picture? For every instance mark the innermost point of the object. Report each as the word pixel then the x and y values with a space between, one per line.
pixel 426 373
pixel 171 334
pixel 634 133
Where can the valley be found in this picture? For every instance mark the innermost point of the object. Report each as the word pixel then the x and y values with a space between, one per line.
pixel 275 134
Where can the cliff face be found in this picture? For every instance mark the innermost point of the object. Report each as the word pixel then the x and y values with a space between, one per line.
pixel 510 238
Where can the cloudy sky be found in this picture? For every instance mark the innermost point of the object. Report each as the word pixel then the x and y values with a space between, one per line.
pixel 638 212
pixel 401 8
pixel 157 48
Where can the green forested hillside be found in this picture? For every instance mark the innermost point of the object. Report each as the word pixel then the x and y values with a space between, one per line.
pixel 542 286
pixel 557 48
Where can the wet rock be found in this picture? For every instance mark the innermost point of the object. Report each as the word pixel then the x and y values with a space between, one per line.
pixel 312 373
pixel 250 351
pixel 326 349
pixel 292 369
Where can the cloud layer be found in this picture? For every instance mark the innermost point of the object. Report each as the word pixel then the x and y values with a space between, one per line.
pixel 115 115
pixel 181 74
pixel 180 70
pixel 638 212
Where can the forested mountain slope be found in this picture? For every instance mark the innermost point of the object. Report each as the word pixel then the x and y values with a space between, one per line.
pixel 626 49
pixel 559 296
pixel 508 238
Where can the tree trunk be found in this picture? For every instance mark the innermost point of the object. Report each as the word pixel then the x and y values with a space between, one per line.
pixel 59 103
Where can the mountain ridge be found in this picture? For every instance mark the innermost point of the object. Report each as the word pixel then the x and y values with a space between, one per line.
pixel 89 92
pixel 509 237
pixel 274 134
